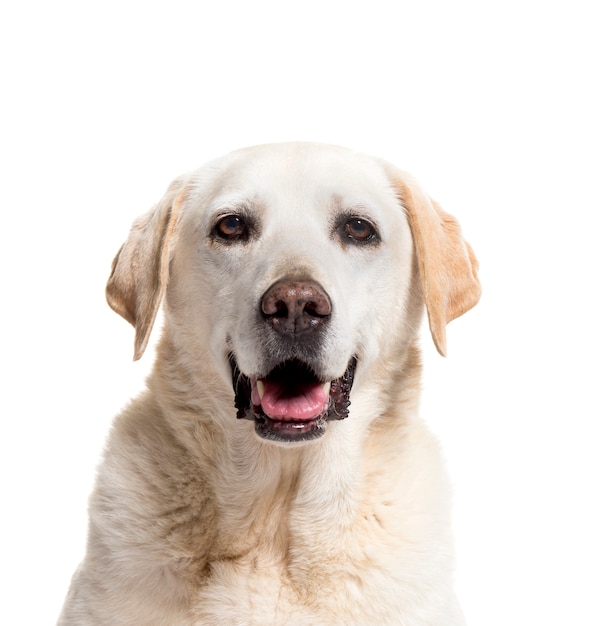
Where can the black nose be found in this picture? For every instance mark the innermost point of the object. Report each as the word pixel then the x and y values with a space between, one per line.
pixel 296 306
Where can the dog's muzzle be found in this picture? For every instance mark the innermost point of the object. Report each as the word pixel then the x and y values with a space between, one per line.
pixel 291 403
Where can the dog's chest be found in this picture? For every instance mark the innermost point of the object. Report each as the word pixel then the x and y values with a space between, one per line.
pixel 288 579
pixel 254 594
pixel 250 592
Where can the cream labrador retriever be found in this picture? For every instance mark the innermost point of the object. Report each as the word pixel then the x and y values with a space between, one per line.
pixel 275 470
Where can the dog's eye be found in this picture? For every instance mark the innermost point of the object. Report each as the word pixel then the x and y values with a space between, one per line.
pixel 231 227
pixel 358 230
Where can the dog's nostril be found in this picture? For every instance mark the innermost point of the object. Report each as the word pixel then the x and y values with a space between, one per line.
pixel 313 308
pixel 280 309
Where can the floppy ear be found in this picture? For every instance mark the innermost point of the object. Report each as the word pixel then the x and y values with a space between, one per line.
pixel 447 264
pixel 139 272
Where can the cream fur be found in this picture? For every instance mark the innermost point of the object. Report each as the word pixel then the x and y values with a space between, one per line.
pixel 197 520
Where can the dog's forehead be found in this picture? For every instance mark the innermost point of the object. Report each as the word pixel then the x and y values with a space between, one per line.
pixel 305 173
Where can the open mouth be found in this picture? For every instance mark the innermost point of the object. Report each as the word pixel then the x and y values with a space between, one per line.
pixel 291 403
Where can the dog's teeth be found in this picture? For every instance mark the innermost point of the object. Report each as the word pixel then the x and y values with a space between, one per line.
pixel 260 386
pixel 327 388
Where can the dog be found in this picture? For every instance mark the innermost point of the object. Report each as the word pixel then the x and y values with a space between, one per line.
pixel 275 470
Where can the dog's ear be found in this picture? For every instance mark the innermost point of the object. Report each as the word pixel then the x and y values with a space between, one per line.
pixel 446 262
pixel 139 272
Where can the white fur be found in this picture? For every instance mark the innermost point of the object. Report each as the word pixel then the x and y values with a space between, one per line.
pixel 197 520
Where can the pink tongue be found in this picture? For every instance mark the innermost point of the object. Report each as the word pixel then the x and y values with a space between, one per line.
pixel 306 402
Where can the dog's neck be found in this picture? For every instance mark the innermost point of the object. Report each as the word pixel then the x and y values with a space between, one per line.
pixel 263 490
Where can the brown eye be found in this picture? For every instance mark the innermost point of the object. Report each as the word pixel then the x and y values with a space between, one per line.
pixel 358 230
pixel 231 227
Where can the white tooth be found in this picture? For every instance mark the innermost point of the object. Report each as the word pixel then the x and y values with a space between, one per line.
pixel 260 386
pixel 326 388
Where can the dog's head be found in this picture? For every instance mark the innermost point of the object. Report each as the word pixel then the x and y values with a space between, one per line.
pixel 290 267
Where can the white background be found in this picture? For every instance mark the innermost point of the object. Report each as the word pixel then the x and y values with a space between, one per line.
pixel 498 108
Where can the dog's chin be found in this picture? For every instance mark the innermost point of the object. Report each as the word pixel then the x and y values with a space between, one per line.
pixel 291 404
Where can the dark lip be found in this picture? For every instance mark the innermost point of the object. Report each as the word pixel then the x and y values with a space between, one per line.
pixel 269 429
pixel 293 431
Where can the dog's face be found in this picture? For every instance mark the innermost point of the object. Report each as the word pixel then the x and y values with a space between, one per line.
pixel 291 268
pixel 294 262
